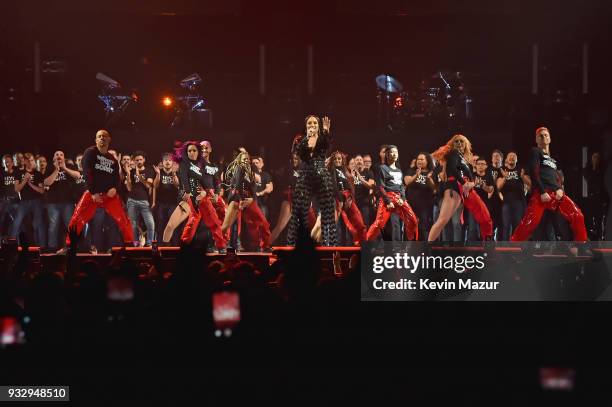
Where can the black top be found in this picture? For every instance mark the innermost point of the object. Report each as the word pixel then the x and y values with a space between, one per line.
pixel 79 187
pixel 513 189
pixel 260 186
pixel 211 177
pixel 362 192
pixel 419 192
pixel 488 180
pixel 390 180
pixel 241 186
pixel 166 190
pixel 27 193
pixel 7 189
pixel 543 171
pixel 458 167
pixel 190 177
pixel 140 191
pixel 101 171
pixel 61 189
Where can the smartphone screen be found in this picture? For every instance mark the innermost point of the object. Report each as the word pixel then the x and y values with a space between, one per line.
pixel 226 311
pixel 11 332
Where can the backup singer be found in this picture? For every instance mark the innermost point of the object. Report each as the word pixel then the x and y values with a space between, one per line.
pixel 457 186
pixel 316 180
pixel 345 201
pixel 392 198
pixel 547 193
pixel 101 174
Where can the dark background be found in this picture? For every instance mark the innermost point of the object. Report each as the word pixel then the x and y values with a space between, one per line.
pixel 151 46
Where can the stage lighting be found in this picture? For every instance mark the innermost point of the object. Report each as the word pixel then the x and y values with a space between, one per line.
pixel 167 101
pixel 189 106
pixel 116 100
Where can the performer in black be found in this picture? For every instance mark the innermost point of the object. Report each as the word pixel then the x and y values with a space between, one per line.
pixel 316 180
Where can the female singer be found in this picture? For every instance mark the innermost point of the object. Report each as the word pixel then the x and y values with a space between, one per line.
pixel 316 180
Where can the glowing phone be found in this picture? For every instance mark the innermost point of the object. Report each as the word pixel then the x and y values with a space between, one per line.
pixel 11 332
pixel 226 312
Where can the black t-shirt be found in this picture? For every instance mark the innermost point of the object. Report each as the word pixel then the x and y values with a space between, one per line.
pixel 513 189
pixel 27 193
pixel 544 171
pixel 419 192
pixel 265 179
pixel 390 180
pixel 362 192
pixel 61 189
pixel 79 187
pixel 211 176
pixel 7 189
pixel 488 180
pixel 342 182
pixel 101 171
pixel 167 192
pixel 139 191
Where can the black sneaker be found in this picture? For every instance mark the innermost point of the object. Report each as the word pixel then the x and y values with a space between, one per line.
pixel 223 251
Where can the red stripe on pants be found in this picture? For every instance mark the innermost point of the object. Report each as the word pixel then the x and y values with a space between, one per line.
pixel 257 225
pixel 383 214
pixel 207 214
pixel 353 220
pixel 86 209
pixel 533 214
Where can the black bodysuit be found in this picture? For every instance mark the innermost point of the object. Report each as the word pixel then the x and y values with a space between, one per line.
pixel 314 180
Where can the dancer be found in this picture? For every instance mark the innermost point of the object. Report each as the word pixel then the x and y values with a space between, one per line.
pixel 101 174
pixel 346 206
pixel 547 193
pixel 420 189
pixel 284 215
pixel 392 198
pixel 213 172
pixel 241 199
pixel 315 180
pixel 458 186
pixel 197 186
pixel 189 150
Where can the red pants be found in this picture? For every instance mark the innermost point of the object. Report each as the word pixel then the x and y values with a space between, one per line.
pixel 479 211
pixel 257 225
pixel 353 220
pixel 533 214
pixel 219 206
pixel 383 214
pixel 206 213
pixel 86 208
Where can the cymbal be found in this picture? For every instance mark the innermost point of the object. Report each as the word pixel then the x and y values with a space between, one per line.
pixel 388 83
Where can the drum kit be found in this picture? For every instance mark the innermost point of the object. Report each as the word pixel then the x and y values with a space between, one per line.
pixel 441 97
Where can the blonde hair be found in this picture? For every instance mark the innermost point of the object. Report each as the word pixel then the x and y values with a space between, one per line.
pixel 441 153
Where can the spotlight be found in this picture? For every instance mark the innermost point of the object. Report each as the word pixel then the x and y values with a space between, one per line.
pixel 167 101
